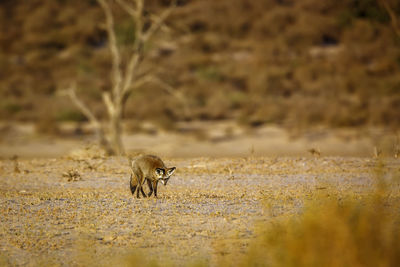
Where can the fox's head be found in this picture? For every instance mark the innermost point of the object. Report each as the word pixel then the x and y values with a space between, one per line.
pixel 164 174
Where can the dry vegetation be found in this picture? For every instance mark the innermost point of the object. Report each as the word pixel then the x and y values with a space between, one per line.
pixel 289 62
pixel 315 211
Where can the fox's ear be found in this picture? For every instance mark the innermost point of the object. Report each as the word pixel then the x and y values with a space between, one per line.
pixel 160 172
pixel 170 171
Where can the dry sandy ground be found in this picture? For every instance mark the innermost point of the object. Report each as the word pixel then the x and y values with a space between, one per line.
pixel 199 139
pixel 75 210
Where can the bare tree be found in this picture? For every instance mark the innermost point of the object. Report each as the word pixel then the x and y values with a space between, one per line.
pixel 125 76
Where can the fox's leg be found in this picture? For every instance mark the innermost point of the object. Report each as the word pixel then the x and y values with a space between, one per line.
pixel 150 187
pixel 155 183
pixel 132 185
pixel 140 181
pixel 133 188
pixel 138 191
pixel 141 190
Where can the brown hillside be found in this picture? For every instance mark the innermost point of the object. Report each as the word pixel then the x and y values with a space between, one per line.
pixel 295 63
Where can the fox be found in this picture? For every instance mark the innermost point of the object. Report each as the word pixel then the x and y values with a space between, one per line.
pixel 148 168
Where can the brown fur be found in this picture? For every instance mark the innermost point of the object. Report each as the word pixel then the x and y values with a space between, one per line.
pixel 151 169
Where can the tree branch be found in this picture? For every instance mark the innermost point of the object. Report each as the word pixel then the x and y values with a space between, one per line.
pixel 165 86
pixel 392 15
pixel 71 93
pixel 128 89
pixel 108 102
pixel 151 79
pixel 128 9
pixel 140 39
pixel 168 88
pixel 115 54
pixel 159 22
pixel 130 71
pixel 137 48
pixel 138 25
pixel 163 27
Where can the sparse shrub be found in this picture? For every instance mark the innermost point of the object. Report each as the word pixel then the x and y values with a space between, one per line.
pixel 72 176
pixel 124 32
pixel 368 9
pixel 70 115
pixel 133 126
pixel 210 73
pixel 165 122
pixel 47 125
pixel 11 108
pixel 218 106
pixel 88 152
pixel 261 111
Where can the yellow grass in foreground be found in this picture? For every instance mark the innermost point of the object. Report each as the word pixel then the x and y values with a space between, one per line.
pixel 336 232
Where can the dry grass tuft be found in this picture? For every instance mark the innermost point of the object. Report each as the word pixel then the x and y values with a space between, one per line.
pixel 72 176
pixel 335 232
pixel 331 234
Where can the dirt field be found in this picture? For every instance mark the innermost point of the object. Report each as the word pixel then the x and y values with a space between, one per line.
pixel 73 211
pixel 199 139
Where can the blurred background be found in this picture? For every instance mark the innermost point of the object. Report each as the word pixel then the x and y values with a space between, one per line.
pixel 279 77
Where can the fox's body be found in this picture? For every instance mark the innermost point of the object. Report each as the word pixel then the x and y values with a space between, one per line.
pixel 151 169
